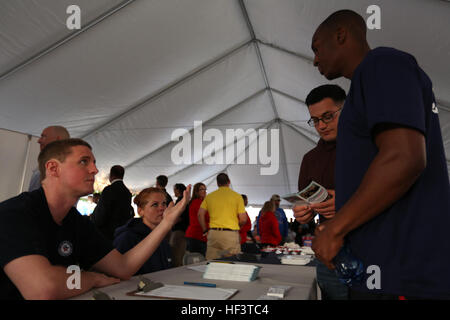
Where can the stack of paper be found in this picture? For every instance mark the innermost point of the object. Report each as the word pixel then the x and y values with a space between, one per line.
pixel 232 272
pixel 278 291
pixel 296 260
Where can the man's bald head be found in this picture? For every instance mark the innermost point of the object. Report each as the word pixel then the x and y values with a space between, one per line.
pixel 52 133
pixel 348 19
pixel 339 44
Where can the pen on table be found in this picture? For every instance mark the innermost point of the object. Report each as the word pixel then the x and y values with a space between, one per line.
pixel 201 284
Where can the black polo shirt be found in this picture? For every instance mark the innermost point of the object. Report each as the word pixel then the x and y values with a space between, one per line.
pixel 27 228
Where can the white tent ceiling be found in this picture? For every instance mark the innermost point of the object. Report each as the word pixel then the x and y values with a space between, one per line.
pixel 140 69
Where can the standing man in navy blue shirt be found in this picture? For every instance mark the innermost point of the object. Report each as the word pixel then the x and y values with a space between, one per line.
pixel 392 184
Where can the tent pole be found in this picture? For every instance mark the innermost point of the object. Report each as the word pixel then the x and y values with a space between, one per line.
pixel 25 164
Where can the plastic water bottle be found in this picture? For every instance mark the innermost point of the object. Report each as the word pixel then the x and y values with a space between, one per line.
pixel 349 268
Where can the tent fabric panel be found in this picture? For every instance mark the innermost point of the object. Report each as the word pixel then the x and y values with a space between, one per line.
pixel 199 99
pixel 161 162
pixel 248 179
pixel 292 75
pixel 107 69
pixel 290 109
pixel 29 26
pixel 195 174
pixel 293 23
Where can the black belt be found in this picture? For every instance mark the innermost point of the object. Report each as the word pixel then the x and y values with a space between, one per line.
pixel 222 229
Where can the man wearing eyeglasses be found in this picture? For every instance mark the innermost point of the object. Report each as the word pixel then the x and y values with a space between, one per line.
pixel 324 105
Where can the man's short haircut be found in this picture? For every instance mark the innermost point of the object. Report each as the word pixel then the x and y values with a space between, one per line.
pixel 349 18
pixel 180 187
pixel 117 172
pixel 59 150
pixel 162 181
pixel 244 197
pixel 332 91
pixel 222 179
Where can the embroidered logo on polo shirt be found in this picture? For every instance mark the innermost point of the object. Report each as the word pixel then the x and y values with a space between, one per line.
pixel 434 108
pixel 65 248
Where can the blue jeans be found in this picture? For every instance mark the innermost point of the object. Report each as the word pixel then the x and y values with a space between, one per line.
pixel 329 284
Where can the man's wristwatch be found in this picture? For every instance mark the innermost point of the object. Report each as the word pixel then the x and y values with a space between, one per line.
pixel 205 232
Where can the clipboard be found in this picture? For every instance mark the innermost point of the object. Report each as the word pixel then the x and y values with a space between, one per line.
pixel 182 292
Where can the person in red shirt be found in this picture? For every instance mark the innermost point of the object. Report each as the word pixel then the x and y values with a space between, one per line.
pixel 247 226
pixel 268 226
pixel 195 239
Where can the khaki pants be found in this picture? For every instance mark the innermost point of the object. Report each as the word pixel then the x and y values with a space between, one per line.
pixel 222 244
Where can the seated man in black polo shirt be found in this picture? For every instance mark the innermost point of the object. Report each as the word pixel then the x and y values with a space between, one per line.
pixel 41 233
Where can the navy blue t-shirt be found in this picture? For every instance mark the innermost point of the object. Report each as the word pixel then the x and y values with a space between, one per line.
pixel 409 241
pixel 27 228
pixel 133 232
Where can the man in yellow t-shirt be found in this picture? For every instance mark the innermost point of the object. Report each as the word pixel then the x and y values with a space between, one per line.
pixel 226 216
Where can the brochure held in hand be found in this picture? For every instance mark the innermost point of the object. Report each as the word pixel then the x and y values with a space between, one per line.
pixel 313 193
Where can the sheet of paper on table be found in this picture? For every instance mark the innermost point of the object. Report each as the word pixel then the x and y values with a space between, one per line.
pixel 189 292
pixel 201 268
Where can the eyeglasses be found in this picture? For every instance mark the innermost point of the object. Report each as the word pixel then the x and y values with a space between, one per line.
pixel 202 189
pixel 326 118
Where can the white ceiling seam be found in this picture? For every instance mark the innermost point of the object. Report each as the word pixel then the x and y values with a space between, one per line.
pixel 301 102
pixel 224 147
pixel 170 87
pixel 204 123
pixel 258 53
pixel 148 6
pixel 293 53
pixel 186 78
pixel 64 40
pixel 213 123
pixel 270 124
pixel 284 160
pixel 299 131
pixel 205 96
